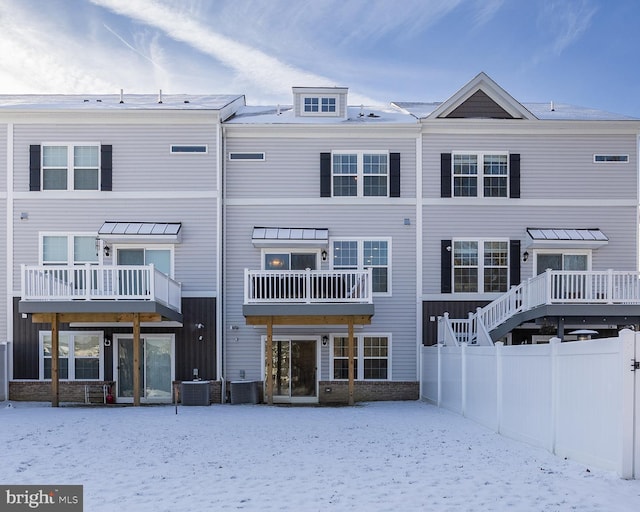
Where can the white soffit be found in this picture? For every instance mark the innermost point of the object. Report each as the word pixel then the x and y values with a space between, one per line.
pixel 290 237
pixel 553 238
pixel 153 232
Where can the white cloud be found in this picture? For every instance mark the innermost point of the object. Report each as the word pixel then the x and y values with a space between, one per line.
pixel 249 64
pixel 568 21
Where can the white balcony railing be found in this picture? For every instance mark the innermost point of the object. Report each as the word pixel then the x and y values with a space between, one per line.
pixel 307 286
pixel 97 282
pixel 551 287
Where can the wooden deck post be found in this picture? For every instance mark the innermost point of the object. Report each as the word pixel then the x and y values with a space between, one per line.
pixel 269 355
pixel 136 359
pixel 351 357
pixel 55 361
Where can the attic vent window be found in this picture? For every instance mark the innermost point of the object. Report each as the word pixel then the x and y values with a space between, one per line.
pixel 246 156
pixel 189 148
pixel 610 158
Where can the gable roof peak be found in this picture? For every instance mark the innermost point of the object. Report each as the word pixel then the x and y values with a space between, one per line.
pixel 482 97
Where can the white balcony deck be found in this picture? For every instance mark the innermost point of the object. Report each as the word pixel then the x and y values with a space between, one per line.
pixel 307 286
pixel 553 287
pixel 44 283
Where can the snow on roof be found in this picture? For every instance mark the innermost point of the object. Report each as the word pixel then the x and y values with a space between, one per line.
pixel 112 102
pixel 285 115
pixel 560 112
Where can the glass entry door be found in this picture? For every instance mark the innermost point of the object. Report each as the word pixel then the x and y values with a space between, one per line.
pixel 156 369
pixel 294 370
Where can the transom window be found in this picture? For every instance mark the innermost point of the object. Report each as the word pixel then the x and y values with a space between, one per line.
pixel 371 358
pixel 79 355
pixel 360 174
pixel 480 266
pixel 71 167
pixel 363 254
pixel 480 175
pixel 189 148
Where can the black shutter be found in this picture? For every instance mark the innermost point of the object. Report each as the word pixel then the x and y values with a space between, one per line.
pixel 325 174
pixel 34 167
pixel 514 175
pixel 445 266
pixel 394 175
pixel 514 262
pixel 445 174
pixel 106 167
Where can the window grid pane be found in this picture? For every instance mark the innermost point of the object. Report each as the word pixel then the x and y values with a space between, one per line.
pixel 375 357
pixel 328 104
pixel 341 358
pixel 311 104
pixel 54 250
pixel 345 254
pixel 84 249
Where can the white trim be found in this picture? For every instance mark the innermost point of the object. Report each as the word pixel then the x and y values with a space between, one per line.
pixel 418 231
pixel 359 339
pixel 71 356
pixel 480 266
pixel 566 251
pixel 71 168
pixel 480 175
pixel 146 247
pixel 360 176
pixel 261 159
pixel 143 337
pixel 292 337
pixel 360 265
pixel 173 146
pixel 220 258
pixel 610 155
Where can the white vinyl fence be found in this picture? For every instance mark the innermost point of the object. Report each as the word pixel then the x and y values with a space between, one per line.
pixel 579 400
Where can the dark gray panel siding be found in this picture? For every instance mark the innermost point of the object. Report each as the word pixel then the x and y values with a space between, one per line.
pixel 436 308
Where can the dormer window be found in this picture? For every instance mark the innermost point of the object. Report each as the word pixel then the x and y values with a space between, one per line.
pixel 316 104
pixel 320 101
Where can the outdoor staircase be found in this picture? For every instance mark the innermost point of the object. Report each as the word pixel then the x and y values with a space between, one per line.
pixel 493 321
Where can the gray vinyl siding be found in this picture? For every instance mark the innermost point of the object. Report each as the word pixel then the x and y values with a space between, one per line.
pixel 394 315
pixel 509 221
pixel 3 158
pixel 3 274
pixel 292 165
pixel 195 257
pixel 141 153
pixel 553 166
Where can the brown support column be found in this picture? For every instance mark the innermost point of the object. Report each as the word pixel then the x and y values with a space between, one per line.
pixel 351 365
pixel 136 359
pixel 269 355
pixel 55 360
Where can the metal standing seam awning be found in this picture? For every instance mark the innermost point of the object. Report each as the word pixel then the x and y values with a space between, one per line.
pixel 555 238
pixel 153 232
pixel 291 237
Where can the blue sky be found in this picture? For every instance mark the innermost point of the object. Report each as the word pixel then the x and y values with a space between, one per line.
pixel 582 52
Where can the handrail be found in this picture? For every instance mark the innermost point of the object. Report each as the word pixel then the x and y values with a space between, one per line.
pixel 99 282
pixel 553 287
pixel 307 286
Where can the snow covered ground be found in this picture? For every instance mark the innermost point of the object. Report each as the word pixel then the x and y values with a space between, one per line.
pixel 376 456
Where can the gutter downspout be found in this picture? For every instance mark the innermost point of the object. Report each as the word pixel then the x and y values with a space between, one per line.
pixel 419 235
pixel 9 268
pixel 219 261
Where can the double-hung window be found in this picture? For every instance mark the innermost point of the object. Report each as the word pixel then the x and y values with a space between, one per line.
pixel 480 175
pixel 358 173
pixel 363 254
pixel 71 167
pixel 480 266
pixel 79 355
pixel 371 358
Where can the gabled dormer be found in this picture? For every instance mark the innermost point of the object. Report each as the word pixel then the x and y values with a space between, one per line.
pixel 481 98
pixel 320 102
